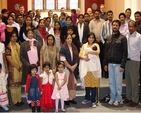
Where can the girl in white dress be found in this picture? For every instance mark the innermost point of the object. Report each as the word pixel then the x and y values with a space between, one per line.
pixel 60 89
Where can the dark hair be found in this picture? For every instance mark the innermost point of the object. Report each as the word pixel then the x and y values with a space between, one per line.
pixel 13 32
pixel 50 35
pixel 24 24
pixel 67 36
pixel 63 14
pixel 30 12
pixel 60 63
pixel 48 18
pixel 98 11
pixel 123 14
pixel 137 12
pixel 3 11
pixel 116 21
pixel 33 66
pixel 26 32
pixel 10 16
pixel 46 64
pixel 50 11
pixel 81 15
pixel 74 11
pixel 69 27
pixel 128 9
pixel 0 66
pixel 68 17
pixel 110 11
pixel 59 25
pixel 54 15
pixel 91 33
pixel 40 21
pixel 86 14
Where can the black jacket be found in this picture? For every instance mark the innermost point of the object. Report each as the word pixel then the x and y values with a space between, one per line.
pixel 116 50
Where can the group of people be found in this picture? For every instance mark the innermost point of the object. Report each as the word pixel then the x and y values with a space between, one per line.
pixel 47 56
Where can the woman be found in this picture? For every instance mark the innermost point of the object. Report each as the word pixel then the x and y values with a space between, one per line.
pixel 90 68
pixel 40 33
pixel 26 25
pixel 69 55
pixel 12 54
pixel 49 52
pixel 29 53
pixel 48 26
pixel 57 32
pixel 9 29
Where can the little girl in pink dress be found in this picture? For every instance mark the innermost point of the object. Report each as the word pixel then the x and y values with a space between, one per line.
pixel 60 89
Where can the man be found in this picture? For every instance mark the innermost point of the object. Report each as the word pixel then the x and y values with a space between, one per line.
pixel 103 13
pixel 114 62
pixel 133 60
pixel 95 26
pixel 107 27
pixel 124 26
pixel 128 15
pixel 137 15
pixel 89 11
pixel 4 14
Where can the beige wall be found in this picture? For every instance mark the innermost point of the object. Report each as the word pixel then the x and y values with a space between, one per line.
pixel 116 6
pixel 3 4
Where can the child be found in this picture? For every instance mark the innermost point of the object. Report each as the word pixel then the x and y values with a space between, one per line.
pixel 34 87
pixel 2 29
pixel 3 90
pixel 60 89
pixel 47 80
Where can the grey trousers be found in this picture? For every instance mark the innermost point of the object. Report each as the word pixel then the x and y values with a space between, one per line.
pixel 132 80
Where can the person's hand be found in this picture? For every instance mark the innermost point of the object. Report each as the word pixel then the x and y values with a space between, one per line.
pixel 73 36
pixel 121 70
pixel 86 58
pixel 106 68
pixel 41 93
pixel 26 94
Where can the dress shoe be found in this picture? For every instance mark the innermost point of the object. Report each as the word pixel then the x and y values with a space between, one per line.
pixel 72 101
pixel 67 103
pixel 126 101
pixel 133 104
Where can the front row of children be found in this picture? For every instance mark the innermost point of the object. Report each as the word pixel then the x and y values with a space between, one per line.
pixel 39 88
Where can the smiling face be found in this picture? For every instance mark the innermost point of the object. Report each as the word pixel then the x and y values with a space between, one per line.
pixel 30 34
pixel 50 41
pixel 13 39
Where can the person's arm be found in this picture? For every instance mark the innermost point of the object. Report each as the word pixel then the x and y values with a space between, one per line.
pixel 57 81
pixel 27 84
pixel 95 52
pixel 124 52
pixel 41 60
pixel 23 60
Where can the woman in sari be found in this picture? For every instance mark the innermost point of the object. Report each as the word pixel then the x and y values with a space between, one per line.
pixel 14 66
pixel 90 68
pixel 49 52
pixel 69 55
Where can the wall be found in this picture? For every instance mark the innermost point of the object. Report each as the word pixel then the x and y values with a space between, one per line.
pixel 14 5
pixel 3 4
pixel 117 6
pixel 88 3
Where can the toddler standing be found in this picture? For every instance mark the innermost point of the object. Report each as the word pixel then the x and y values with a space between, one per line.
pixel 34 87
pixel 47 76
pixel 60 89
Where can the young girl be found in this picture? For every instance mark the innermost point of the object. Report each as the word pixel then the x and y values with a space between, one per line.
pixel 47 80
pixel 60 89
pixel 34 87
pixel 3 90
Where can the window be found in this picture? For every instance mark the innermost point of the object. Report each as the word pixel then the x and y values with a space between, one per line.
pixel 55 4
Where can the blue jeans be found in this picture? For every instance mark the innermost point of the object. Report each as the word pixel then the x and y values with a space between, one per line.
pixel 115 78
